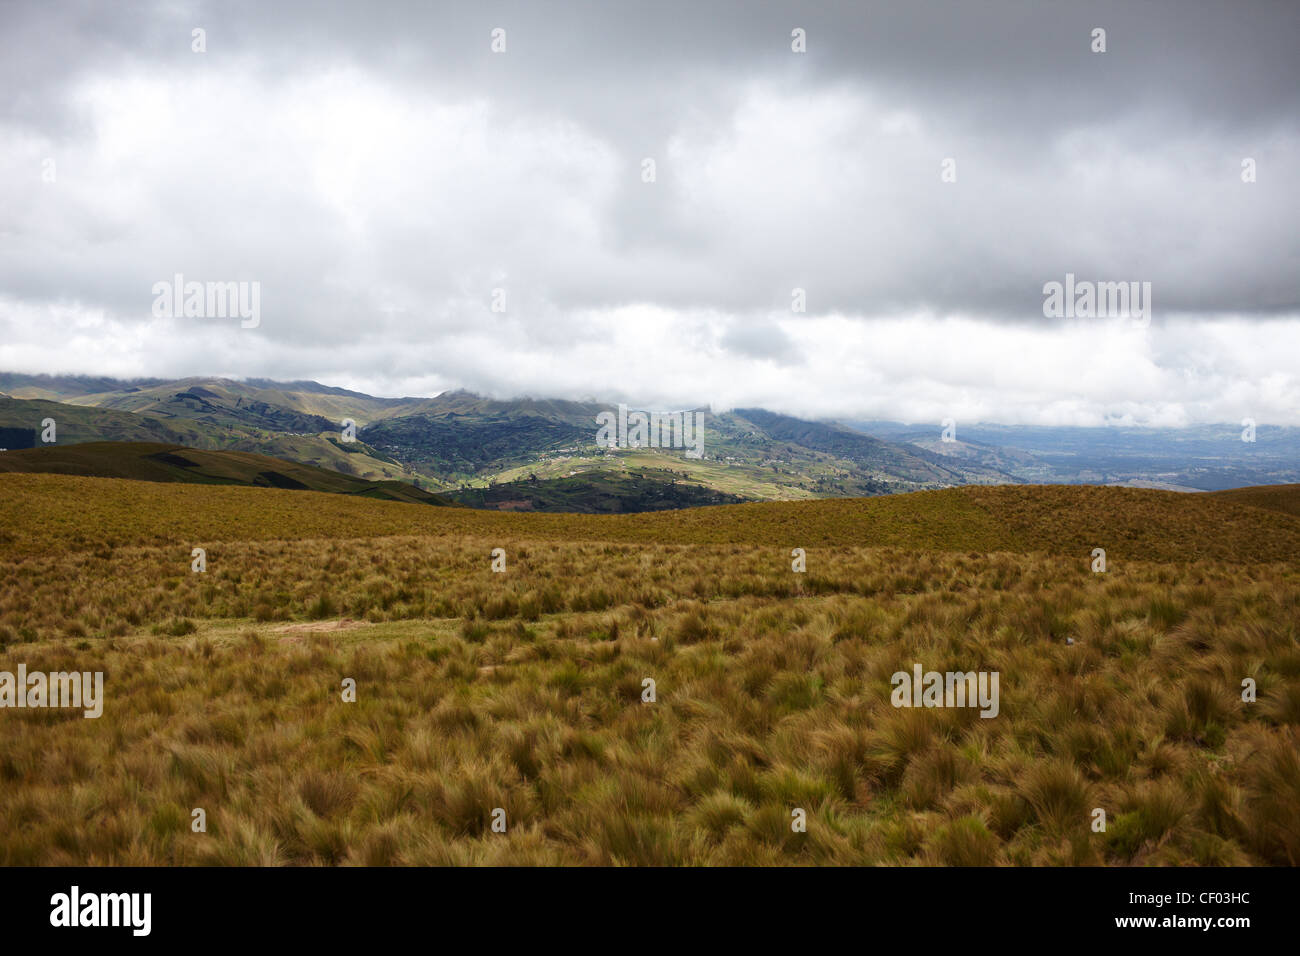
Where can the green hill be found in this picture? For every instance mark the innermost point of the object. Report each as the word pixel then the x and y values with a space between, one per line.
pixel 196 419
pixel 305 398
pixel 596 492
pixel 153 461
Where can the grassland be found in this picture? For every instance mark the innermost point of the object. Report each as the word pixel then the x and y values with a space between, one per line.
pixel 1281 498
pixel 523 690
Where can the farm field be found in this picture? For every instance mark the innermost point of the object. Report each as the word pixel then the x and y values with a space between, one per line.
pixel 519 697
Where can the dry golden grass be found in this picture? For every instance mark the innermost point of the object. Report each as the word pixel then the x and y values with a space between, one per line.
pixel 1282 498
pixel 522 690
pixel 47 513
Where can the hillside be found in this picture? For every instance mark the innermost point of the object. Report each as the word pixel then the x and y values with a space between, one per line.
pixel 1132 524
pixel 1282 498
pixel 196 420
pixel 63 387
pixel 459 438
pixel 152 461
pixel 224 396
pixel 75 424
pixel 596 492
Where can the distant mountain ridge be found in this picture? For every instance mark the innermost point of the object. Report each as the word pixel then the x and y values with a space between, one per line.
pixel 458 441
pixel 1196 457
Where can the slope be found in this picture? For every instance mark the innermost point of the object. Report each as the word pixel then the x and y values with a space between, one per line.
pixel 1283 498
pixel 157 462
pixel 196 418
pixel 57 512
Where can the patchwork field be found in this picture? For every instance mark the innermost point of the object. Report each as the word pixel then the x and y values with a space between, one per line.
pixel 524 691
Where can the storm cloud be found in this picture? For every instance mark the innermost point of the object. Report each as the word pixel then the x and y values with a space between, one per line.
pixel 912 180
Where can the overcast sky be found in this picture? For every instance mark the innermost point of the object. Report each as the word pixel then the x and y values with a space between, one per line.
pixel 379 171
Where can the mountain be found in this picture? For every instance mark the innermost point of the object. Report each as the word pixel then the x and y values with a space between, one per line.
pixel 1194 458
pixel 207 416
pixel 899 460
pixel 62 387
pixel 152 461
pixel 75 424
pixel 462 437
pixel 214 404
pixel 478 449
pixel 328 405
pixel 459 440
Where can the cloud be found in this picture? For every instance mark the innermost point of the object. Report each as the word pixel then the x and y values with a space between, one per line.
pixel 383 174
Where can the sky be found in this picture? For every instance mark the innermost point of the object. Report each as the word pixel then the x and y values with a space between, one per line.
pixel 420 211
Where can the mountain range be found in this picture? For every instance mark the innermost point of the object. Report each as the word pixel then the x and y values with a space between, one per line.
pixel 542 454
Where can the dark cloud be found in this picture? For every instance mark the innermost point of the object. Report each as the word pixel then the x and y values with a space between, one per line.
pixel 380 171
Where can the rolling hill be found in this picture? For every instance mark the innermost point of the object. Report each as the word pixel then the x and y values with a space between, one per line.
pixel 1132 524
pixel 225 396
pixel 1282 498
pixel 157 462
pixel 196 419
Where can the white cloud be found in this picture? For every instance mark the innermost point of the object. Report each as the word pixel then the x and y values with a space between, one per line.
pixel 379 204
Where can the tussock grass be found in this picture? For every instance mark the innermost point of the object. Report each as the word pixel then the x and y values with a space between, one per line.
pixel 43 513
pixel 522 691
